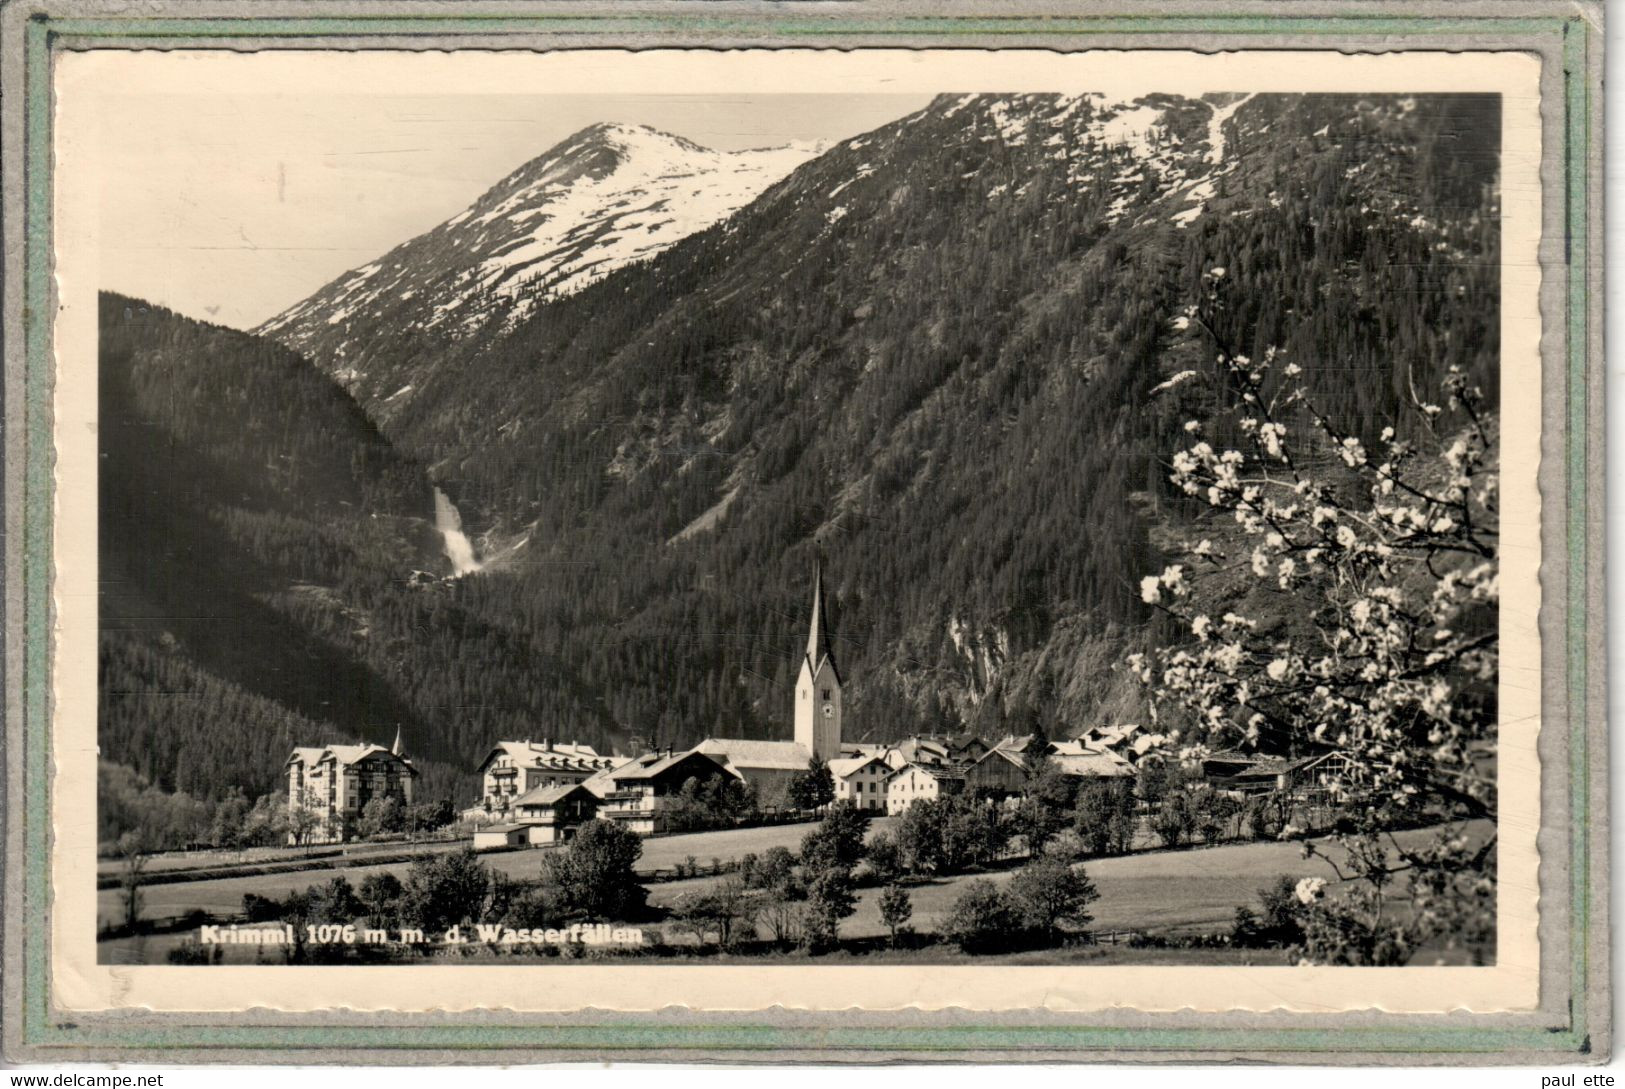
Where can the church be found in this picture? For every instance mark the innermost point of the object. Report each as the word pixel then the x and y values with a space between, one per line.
pixel 770 766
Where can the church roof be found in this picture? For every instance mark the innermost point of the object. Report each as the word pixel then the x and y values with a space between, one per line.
pixel 818 644
pixel 763 755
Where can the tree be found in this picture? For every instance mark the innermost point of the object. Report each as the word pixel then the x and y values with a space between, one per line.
pixel 775 871
pixel 230 825
pixel 305 817
pixel 132 875
pixel 814 787
pixel 1046 800
pixel 719 801
pixel 1105 816
pixel 380 895
pixel 1386 558
pixel 595 874
pixel 1175 818
pixel 895 910
pixel 949 835
pixel 266 825
pixel 334 901
pixel 1213 812
pixel 445 890
pixel 830 898
pixel 983 919
pixel 382 813
pixel 838 839
pixel 1050 892
pixel 428 816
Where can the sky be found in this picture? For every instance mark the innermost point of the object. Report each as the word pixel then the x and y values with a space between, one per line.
pixel 232 207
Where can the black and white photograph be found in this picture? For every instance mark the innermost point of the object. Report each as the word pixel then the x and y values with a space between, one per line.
pixel 843 527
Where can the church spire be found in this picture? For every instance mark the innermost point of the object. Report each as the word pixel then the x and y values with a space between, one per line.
pixel 818 645
pixel 399 748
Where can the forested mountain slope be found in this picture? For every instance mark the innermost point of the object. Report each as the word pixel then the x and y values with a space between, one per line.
pixel 931 353
pixel 270 572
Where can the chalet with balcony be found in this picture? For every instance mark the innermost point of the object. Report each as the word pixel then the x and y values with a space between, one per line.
pixel 645 788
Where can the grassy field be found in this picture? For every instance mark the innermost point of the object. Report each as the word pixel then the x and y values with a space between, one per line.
pixel 1165 892
pixel 225 895
pixel 1160 892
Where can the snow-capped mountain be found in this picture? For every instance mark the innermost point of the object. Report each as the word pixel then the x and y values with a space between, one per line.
pixel 610 195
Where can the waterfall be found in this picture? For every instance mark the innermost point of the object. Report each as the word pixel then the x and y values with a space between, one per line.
pixel 459 549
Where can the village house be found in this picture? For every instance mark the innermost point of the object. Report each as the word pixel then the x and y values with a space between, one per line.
pixel 1006 768
pixel 330 786
pixel 647 787
pixel 999 771
pixel 861 780
pixel 513 768
pixel 1091 765
pixel 919 782
pixel 1129 740
pixel 553 814
pixel 1315 778
pixel 490 837
pixel 924 750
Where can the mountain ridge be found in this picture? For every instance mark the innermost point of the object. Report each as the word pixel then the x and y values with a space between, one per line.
pixel 606 196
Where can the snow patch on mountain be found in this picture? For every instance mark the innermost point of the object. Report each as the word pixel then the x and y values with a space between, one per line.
pixel 1215 128
pixel 609 196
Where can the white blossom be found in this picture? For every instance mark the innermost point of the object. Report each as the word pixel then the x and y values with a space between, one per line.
pixel 1310 889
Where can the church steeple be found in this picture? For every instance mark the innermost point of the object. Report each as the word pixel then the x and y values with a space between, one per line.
pixel 818 684
pixel 818 645
pixel 399 749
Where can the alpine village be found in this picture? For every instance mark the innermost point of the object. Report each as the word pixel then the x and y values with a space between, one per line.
pixel 1042 529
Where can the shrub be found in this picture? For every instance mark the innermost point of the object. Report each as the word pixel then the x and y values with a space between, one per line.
pixel 776 872
pixel 885 858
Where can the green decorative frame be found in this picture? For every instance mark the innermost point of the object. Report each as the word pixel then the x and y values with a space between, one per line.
pixel 1570 1026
